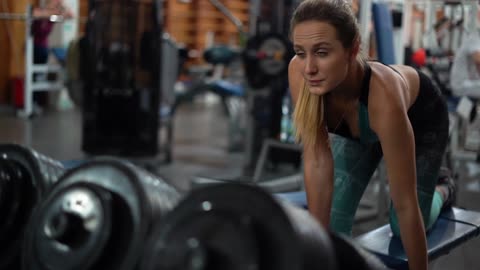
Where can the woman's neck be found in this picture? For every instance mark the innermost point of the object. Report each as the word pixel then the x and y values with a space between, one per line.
pixel 350 89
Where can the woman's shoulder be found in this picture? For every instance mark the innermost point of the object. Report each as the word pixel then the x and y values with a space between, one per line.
pixel 393 85
pixel 393 71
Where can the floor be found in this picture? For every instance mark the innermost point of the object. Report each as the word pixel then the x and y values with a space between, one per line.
pixel 200 147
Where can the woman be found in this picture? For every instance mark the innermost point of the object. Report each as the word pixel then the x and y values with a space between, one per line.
pixel 377 110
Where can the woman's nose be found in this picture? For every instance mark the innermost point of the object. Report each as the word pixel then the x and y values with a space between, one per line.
pixel 310 66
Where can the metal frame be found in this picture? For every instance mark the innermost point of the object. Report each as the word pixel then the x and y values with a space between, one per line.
pixel 263 157
pixel 365 18
pixel 30 68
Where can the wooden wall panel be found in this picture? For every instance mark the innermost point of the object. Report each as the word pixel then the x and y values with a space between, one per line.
pixel 179 21
pixel 5 29
pixel 12 46
pixel 83 13
pixel 240 9
pixel 203 20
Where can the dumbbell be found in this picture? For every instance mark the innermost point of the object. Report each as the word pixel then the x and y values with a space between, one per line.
pixel 97 216
pixel 25 177
pixel 235 226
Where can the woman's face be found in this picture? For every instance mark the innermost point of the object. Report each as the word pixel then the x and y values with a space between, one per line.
pixel 323 60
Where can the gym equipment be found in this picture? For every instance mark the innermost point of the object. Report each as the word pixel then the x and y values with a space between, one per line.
pixel 97 216
pixel 445 31
pixel 267 54
pixel 439 62
pixel 172 56
pixel 25 178
pixel 224 10
pixel 266 58
pixel 219 55
pixel 121 68
pixel 298 198
pixel 279 181
pixel 382 18
pixel 367 209
pixel 31 86
pixel 235 226
pixel 230 89
pixel 350 255
pixel 453 228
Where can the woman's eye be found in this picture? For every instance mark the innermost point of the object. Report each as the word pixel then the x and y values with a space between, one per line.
pixel 322 53
pixel 300 54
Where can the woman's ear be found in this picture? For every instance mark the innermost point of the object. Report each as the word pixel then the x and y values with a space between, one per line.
pixel 355 50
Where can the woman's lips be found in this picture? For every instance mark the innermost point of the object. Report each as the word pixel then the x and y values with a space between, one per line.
pixel 315 82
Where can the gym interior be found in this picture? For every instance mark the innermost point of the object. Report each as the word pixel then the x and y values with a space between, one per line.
pixel 158 134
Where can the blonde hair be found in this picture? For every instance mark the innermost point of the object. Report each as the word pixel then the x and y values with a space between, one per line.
pixel 308 116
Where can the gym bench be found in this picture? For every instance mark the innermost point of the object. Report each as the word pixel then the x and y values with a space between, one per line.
pixel 453 228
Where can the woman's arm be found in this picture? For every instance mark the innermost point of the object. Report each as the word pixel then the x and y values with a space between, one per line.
pixel 318 168
pixel 318 179
pixel 389 119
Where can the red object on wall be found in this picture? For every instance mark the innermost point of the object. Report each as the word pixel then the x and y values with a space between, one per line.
pixel 18 91
pixel 419 57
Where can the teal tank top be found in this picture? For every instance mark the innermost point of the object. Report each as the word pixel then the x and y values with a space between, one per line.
pixel 367 135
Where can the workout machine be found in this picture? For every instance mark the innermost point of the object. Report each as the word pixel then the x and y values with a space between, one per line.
pixel 30 84
pixel 172 57
pixel 121 69
pixel 171 52
pixel 265 56
pixel 462 16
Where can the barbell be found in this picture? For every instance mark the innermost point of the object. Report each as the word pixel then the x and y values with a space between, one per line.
pixel 237 227
pixel 98 216
pixel 25 178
